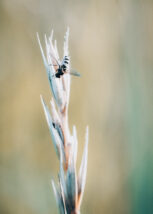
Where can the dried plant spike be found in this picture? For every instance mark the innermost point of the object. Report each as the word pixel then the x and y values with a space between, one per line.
pixel 75 143
pixel 59 199
pixel 69 191
pixel 66 38
pixel 42 52
pixel 83 170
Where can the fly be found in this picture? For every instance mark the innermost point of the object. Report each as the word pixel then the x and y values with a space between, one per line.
pixel 63 68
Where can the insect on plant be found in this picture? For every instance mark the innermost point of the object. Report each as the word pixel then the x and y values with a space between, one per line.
pixel 71 184
pixel 63 68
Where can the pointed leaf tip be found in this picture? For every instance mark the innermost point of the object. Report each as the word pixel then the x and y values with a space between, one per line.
pixel 83 170
pixel 42 52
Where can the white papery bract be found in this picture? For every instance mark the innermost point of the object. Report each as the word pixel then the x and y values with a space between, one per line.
pixel 70 189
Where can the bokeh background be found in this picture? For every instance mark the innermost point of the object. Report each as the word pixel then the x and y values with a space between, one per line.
pixel 111 45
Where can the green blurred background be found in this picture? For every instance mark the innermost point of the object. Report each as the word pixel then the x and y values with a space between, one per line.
pixel 111 45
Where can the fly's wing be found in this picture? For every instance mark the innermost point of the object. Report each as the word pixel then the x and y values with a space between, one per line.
pixel 56 61
pixel 75 73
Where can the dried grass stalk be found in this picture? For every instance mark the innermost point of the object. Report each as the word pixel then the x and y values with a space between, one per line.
pixel 70 188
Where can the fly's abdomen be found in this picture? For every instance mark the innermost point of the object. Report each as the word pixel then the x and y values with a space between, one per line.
pixel 65 64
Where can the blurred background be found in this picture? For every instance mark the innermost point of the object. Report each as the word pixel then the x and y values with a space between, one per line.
pixel 111 45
